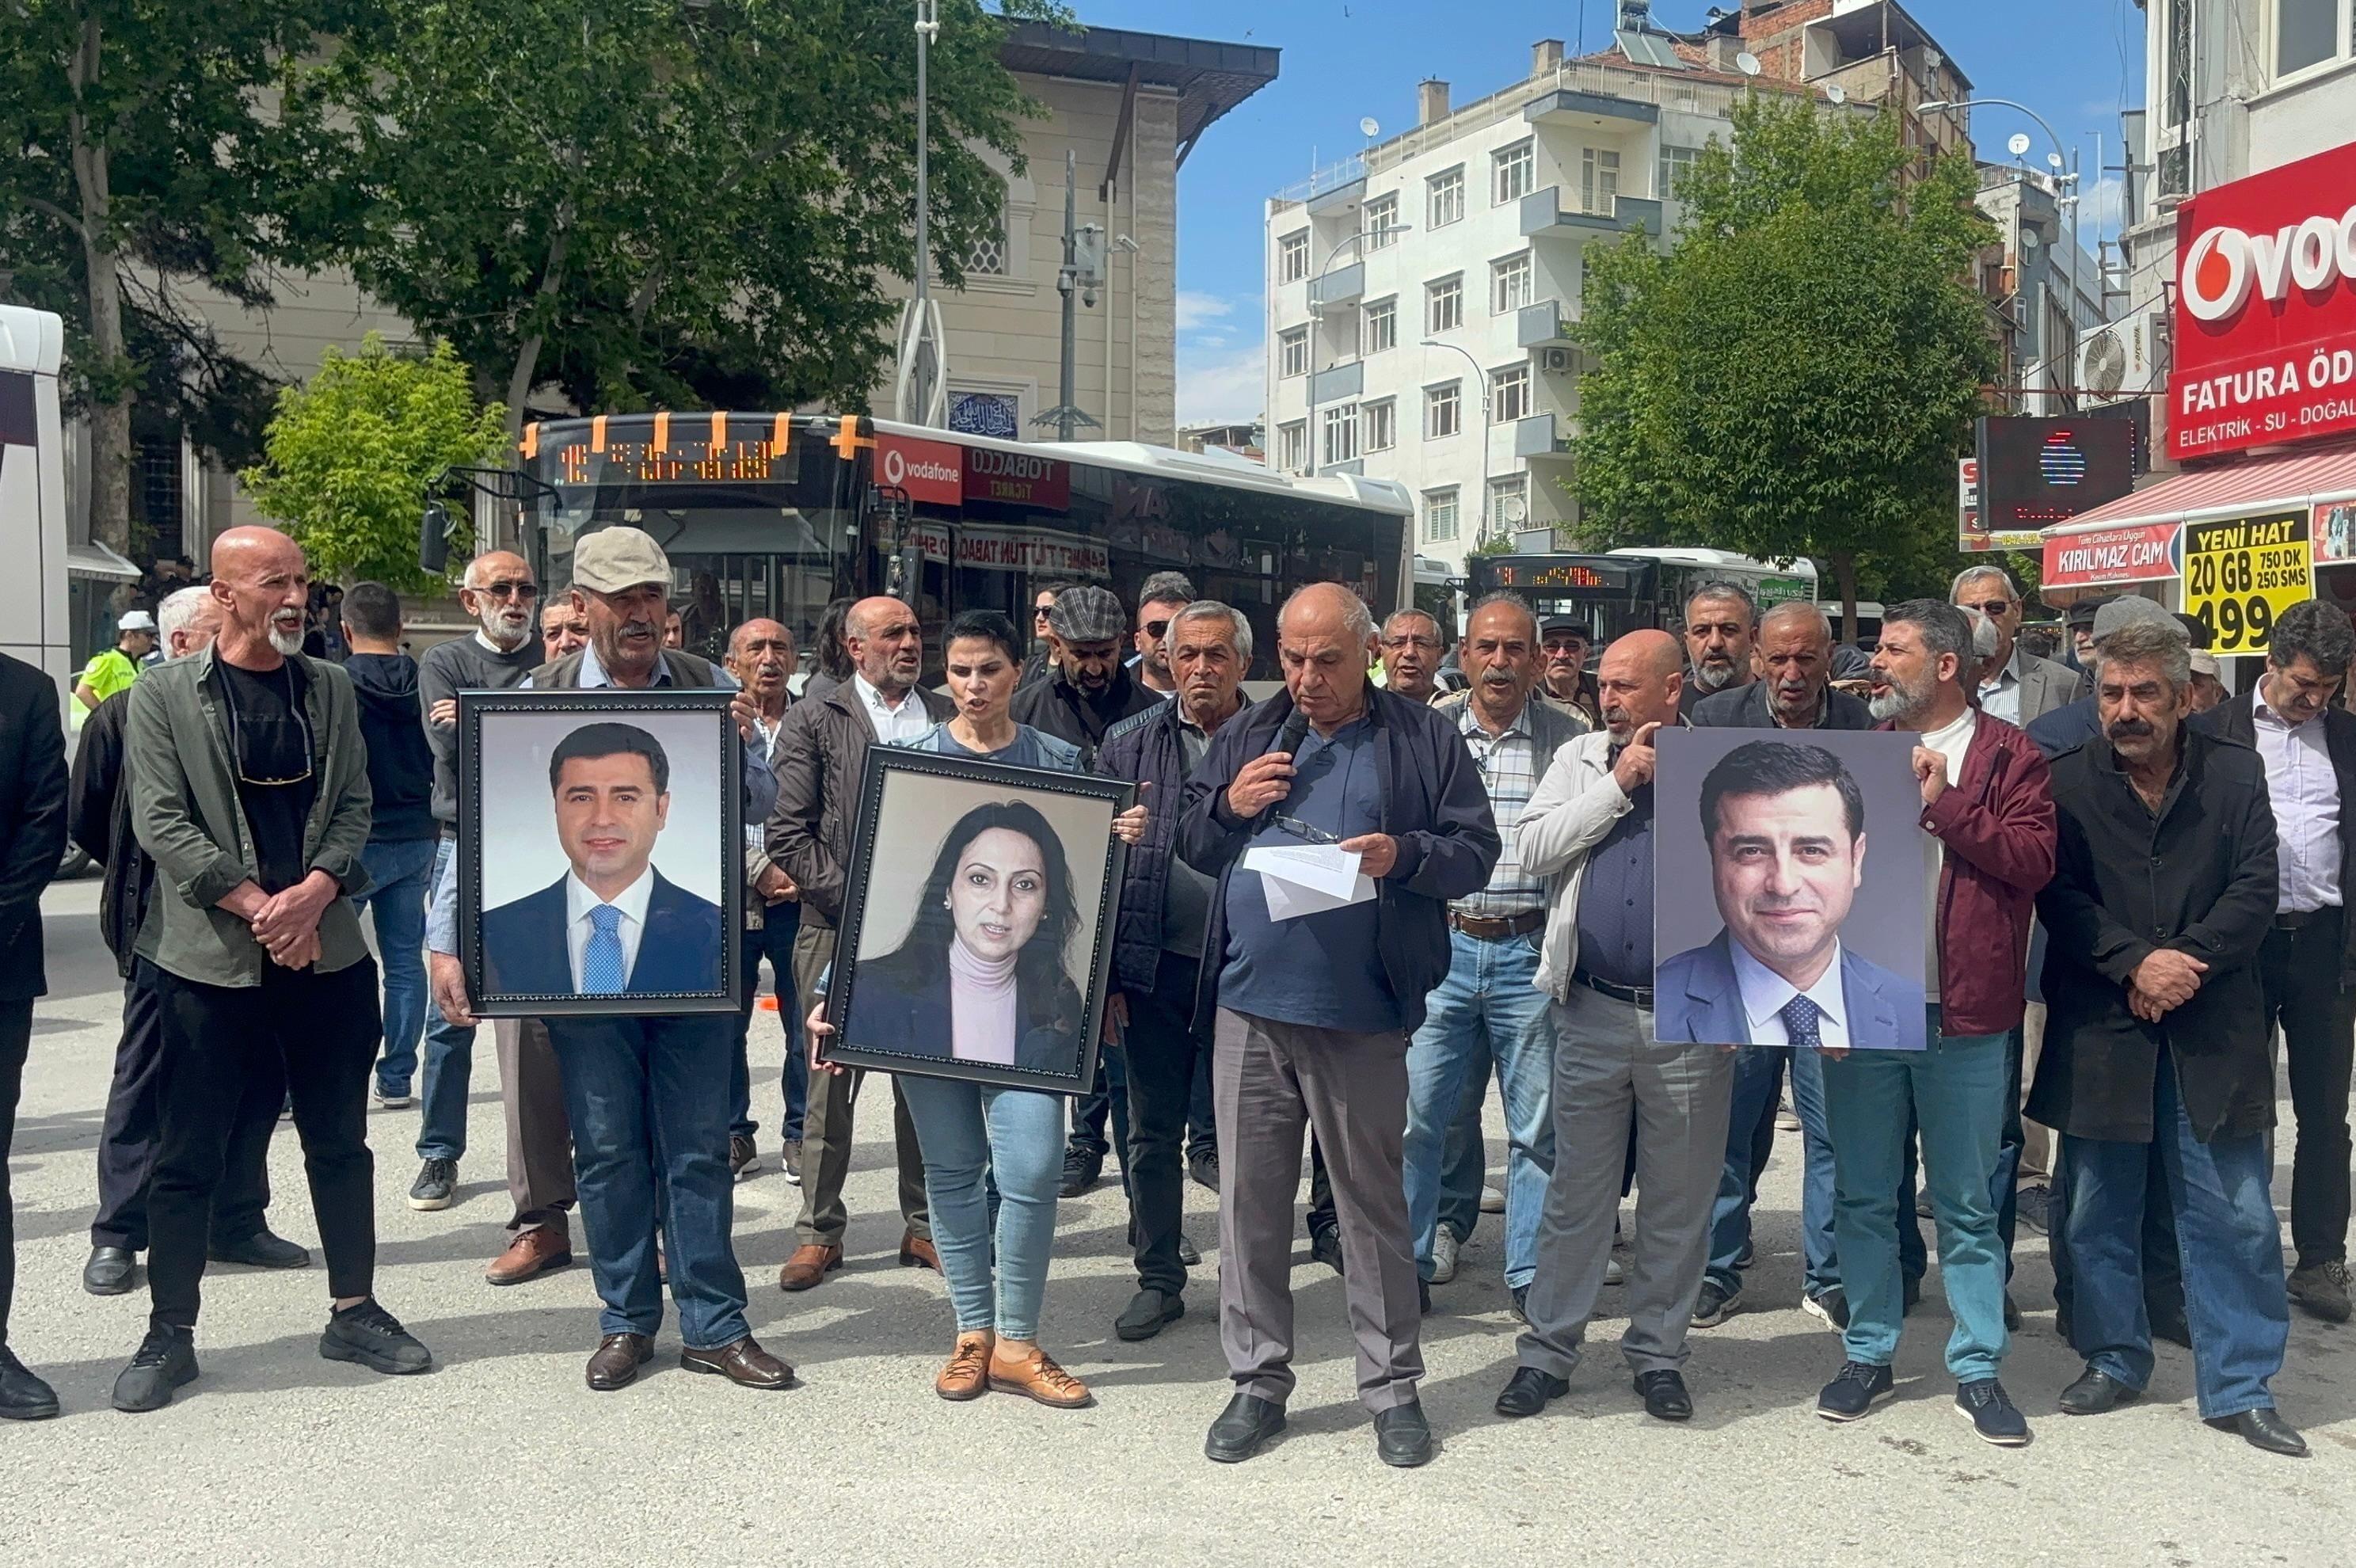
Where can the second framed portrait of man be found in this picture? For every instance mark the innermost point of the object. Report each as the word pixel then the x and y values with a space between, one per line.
pixel 599 852
pixel 1798 913
pixel 977 932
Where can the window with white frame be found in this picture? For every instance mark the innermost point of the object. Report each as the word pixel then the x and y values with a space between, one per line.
pixel 1340 433
pixel 1599 180
pixel 1292 352
pixel 991 250
pixel 1674 161
pixel 1379 425
pixel 1443 304
pixel 1509 503
pixel 1378 327
pixel 1440 515
pixel 1379 220
pixel 1443 199
pixel 2310 33
pixel 1509 285
pixel 1509 394
pixel 1443 410
pixel 1292 257
pixel 1292 445
pixel 1517 170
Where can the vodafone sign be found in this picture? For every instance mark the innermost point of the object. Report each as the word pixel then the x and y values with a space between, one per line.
pixel 927 470
pixel 2266 309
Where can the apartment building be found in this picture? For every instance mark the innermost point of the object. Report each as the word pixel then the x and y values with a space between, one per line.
pixel 2045 293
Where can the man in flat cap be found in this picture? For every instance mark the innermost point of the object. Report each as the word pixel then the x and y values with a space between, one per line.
pixel 1089 690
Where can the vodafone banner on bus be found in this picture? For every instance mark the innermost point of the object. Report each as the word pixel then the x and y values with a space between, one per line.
pixel 2266 309
pixel 929 470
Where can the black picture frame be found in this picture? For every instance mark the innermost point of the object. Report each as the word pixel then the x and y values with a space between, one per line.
pixel 478 709
pixel 875 837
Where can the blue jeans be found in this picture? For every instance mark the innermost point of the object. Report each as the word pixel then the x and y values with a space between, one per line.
pixel 780 923
pixel 2226 1234
pixel 1953 1092
pixel 1464 1158
pixel 1489 1003
pixel 397 886
pixel 1017 1134
pixel 449 1063
pixel 648 1102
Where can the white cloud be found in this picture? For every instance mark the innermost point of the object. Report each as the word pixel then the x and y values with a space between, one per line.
pixel 1199 309
pixel 2102 211
pixel 1221 382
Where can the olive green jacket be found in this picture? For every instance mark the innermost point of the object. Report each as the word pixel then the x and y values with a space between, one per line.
pixel 184 812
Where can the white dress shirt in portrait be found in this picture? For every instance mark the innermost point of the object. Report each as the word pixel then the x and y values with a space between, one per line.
pixel 1766 993
pixel 578 902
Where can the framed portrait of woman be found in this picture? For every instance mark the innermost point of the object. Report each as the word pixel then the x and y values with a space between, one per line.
pixel 600 870
pixel 977 932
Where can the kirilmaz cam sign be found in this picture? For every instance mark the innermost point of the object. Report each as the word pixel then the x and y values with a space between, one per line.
pixel 2266 309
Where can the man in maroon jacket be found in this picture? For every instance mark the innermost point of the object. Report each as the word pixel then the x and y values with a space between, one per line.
pixel 1989 817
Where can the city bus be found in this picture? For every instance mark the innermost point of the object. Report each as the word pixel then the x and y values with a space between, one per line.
pixel 1634 589
pixel 775 515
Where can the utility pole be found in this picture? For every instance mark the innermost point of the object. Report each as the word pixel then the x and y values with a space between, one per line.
pixel 921 395
pixel 1078 280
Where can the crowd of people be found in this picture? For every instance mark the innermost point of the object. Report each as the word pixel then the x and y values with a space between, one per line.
pixel 2134 887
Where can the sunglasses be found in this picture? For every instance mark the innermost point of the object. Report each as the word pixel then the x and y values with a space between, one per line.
pixel 1995 609
pixel 507 590
pixel 1154 629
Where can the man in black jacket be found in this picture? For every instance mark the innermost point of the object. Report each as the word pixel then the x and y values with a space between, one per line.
pixel 2163 892
pixel 1155 1013
pixel 32 839
pixel 100 819
pixel 1089 690
pixel 1314 1010
pixel 2309 747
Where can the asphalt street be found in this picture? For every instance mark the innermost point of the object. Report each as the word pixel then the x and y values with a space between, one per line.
pixel 502 1456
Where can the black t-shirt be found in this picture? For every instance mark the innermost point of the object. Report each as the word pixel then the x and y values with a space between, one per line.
pixel 269 745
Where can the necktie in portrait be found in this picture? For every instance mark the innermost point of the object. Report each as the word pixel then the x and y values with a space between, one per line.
pixel 600 962
pixel 1799 1016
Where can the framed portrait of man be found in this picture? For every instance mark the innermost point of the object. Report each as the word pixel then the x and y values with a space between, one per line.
pixel 977 933
pixel 1793 890
pixel 600 856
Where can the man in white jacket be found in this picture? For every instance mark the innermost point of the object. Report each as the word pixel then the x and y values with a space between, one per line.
pixel 1589 830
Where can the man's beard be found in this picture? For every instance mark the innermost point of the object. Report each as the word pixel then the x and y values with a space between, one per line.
pixel 1896 700
pixel 287 644
pixel 497 625
pixel 1713 678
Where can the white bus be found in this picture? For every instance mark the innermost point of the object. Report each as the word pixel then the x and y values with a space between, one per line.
pixel 34 624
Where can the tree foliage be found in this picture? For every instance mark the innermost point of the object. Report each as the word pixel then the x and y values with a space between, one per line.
pixel 349 453
pixel 645 203
pixel 1798 376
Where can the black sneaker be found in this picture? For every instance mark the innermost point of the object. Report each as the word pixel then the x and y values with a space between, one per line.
pixel 1745 1257
pixel 1985 1405
pixel 1205 1168
pixel 1855 1392
pixel 436 1184
pixel 1325 1247
pixel 167 1360
pixel 2034 1204
pixel 391 1098
pixel 1715 1304
pixel 1081 1170
pixel 1830 1304
pixel 373 1337
pixel 743 1157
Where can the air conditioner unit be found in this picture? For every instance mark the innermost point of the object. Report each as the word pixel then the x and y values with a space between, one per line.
pixel 2119 362
pixel 1554 362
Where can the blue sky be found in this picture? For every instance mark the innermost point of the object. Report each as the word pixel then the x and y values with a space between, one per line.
pixel 2076 62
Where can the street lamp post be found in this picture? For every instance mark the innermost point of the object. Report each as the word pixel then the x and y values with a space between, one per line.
pixel 1481 380
pixel 2070 268
pixel 1317 321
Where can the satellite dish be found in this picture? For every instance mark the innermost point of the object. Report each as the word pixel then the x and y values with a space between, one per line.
pixel 1513 508
pixel 1369 128
pixel 1836 93
pixel 2018 144
pixel 1747 63
pixel 2053 162
pixel 2030 240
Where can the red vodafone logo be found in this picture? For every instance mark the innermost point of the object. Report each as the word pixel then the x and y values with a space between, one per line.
pixel 927 470
pixel 2224 265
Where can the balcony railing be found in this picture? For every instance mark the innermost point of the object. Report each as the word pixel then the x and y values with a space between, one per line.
pixel 1547 212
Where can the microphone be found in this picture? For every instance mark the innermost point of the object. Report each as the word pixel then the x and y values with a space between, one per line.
pixel 1295 731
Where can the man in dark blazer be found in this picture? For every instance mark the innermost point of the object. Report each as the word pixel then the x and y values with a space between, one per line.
pixel 2309 961
pixel 32 839
pixel 1793 690
pixel 2163 892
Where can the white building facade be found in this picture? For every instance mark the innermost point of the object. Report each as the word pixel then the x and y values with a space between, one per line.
pixel 1419 295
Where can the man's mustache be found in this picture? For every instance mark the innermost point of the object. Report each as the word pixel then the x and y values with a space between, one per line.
pixel 2130 729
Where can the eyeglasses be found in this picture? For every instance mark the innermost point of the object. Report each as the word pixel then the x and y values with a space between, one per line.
pixel 1995 609
pixel 1154 629
pixel 237 737
pixel 1428 644
pixel 1309 831
pixel 504 589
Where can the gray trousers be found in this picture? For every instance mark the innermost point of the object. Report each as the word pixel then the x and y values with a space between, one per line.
pixel 827 1122
pixel 540 1134
pixel 1607 1067
pixel 1269 1082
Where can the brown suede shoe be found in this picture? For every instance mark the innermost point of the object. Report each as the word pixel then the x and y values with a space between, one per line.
pixel 919 1253
pixel 1038 1377
pixel 617 1359
pixel 808 1266
pixel 967 1377
pixel 744 1363
pixel 534 1252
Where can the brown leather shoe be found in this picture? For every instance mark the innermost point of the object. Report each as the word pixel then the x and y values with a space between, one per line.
pixel 808 1266
pixel 617 1359
pixel 744 1363
pixel 534 1252
pixel 919 1253
pixel 967 1377
pixel 1038 1377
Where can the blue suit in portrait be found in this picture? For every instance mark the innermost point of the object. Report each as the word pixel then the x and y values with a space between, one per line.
pixel 524 951
pixel 1697 999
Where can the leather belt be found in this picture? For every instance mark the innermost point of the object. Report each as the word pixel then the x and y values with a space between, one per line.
pixel 1639 995
pixel 1497 927
pixel 2297 920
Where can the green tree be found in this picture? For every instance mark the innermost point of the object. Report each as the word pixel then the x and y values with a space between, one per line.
pixel 141 154
pixel 348 455
pixel 1798 376
pixel 645 203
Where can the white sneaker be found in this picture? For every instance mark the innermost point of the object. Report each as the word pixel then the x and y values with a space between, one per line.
pixel 1492 1201
pixel 1613 1275
pixel 1443 1255
pixel 1786 1119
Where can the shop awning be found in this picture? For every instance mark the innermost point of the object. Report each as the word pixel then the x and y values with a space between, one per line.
pixel 2263 484
pixel 95 560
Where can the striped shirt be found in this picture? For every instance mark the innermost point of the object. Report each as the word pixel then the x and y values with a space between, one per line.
pixel 1509 765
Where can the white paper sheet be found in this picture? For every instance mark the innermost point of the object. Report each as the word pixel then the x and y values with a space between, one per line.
pixel 1307 879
